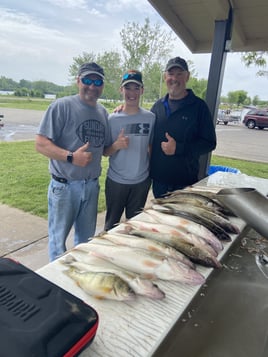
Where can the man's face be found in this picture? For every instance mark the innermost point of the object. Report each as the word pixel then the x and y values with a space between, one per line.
pixel 90 88
pixel 176 80
pixel 131 93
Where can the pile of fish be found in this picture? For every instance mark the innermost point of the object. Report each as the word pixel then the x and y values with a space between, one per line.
pixel 166 241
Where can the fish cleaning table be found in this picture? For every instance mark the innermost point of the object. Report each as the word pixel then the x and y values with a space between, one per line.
pixel 227 316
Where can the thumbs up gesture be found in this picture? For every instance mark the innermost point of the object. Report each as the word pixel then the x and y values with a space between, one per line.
pixel 122 141
pixel 82 157
pixel 169 146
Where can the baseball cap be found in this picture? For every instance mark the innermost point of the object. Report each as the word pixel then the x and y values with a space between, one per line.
pixel 177 62
pixel 132 76
pixel 90 68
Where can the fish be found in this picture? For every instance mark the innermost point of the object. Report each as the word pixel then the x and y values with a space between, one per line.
pixel 219 219
pixel 158 247
pixel 205 189
pixel 82 261
pixel 171 236
pixel 193 198
pixel 101 285
pixel 193 233
pixel 147 264
pixel 189 237
pixel 199 224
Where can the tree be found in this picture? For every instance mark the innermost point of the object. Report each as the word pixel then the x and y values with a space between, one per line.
pixel 255 100
pixel 256 58
pixel 77 61
pixel 199 86
pixel 145 48
pixel 111 63
pixel 238 97
pixel 7 84
pixel 25 84
pixel 145 45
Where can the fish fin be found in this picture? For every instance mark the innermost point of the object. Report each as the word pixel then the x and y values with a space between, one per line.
pixel 98 297
pixel 149 263
pixel 106 290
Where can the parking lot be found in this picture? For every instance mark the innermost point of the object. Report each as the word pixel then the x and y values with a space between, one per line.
pixel 237 141
pixel 234 140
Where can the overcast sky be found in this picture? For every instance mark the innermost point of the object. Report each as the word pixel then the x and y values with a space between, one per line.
pixel 40 38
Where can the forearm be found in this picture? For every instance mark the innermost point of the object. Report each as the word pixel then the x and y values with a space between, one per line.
pixel 47 148
pixel 110 150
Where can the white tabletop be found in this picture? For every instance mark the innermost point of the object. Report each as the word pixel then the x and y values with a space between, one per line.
pixel 136 328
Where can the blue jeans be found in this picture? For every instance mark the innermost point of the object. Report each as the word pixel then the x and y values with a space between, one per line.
pixel 71 204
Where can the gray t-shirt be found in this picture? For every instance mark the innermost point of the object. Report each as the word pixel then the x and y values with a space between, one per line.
pixel 70 123
pixel 131 165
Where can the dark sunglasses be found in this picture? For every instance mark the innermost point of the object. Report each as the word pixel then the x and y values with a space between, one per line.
pixel 96 82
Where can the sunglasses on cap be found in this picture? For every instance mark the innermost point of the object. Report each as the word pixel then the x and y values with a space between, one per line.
pixel 88 82
pixel 135 75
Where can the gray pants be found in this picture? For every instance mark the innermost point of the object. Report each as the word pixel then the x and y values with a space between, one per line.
pixel 120 197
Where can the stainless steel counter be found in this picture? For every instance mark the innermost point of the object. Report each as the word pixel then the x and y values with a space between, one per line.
pixel 229 315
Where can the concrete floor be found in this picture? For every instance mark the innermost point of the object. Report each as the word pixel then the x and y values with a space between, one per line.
pixel 24 237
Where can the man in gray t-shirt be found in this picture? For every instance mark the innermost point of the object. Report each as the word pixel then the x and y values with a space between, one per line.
pixel 127 183
pixel 73 134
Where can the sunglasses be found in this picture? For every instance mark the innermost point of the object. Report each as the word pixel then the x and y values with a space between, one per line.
pixel 96 82
pixel 132 75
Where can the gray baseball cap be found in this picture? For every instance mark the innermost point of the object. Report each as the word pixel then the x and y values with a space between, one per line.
pixel 177 62
pixel 90 68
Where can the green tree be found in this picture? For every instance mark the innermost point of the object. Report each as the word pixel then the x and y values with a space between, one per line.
pixel 199 86
pixel 144 45
pixel 147 48
pixel 77 61
pixel 238 97
pixel 111 63
pixel 22 92
pixel 25 84
pixel 256 58
pixel 7 84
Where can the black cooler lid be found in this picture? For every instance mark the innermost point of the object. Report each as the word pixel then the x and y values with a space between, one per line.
pixel 38 318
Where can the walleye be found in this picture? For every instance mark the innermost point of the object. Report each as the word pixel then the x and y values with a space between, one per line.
pixel 82 261
pixel 220 220
pixel 101 285
pixel 147 264
pixel 204 189
pixel 173 237
pixel 143 243
pixel 193 198
pixel 198 230
pixel 190 237
pixel 213 226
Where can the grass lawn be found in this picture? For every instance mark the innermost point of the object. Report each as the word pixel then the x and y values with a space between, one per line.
pixel 24 176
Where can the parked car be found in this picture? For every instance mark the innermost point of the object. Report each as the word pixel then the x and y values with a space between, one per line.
pixel 256 118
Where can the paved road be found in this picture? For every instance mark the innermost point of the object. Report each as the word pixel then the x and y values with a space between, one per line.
pixel 19 124
pixel 234 140
pixel 237 141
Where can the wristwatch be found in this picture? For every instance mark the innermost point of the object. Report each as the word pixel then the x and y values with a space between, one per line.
pixel 70 157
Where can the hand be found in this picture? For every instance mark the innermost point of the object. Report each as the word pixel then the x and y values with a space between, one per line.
pixel 82 157
pixel 118 109
pixel 169 146
pixel 121 142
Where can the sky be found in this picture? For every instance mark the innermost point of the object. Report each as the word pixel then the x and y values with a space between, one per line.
pixel 40 38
